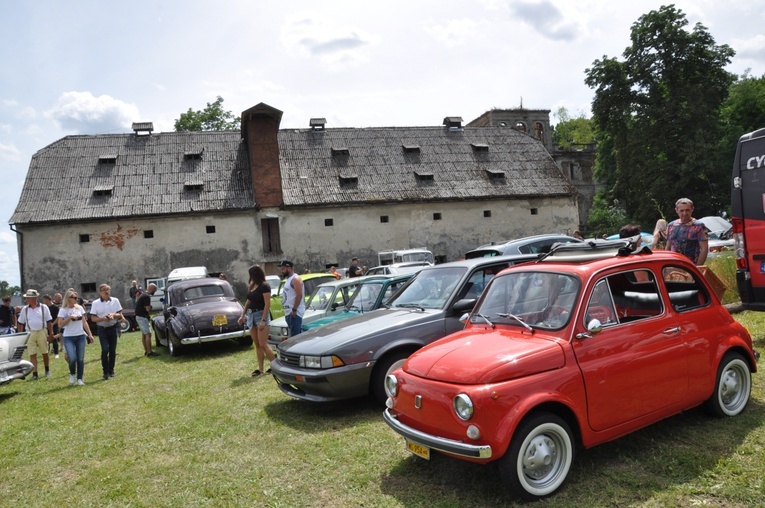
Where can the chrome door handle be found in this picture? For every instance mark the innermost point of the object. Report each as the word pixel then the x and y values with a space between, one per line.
pixel 672 330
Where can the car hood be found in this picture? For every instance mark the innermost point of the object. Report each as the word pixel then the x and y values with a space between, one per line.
pixel 478 356
pixel 327 339
pixel 337 316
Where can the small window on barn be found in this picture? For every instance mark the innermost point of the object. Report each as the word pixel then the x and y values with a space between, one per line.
pixel 495 174
pixel 195 185
pixel 487 213
pixel 437 216
pixel 384 219
pixel 520 126
pixel 148 233
pixel 88 287
pixel 193 155
pixel 349 180
pixel 339 151
pixel 110 158
pixel 329 222
pixel 84 238
pixel 423 177
pixel 411 148
pixel 479 147
pixel 210 229
pixel 270 232
pixel 103 190
pixel 534 211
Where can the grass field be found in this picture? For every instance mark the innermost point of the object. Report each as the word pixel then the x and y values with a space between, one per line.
pixel 199 431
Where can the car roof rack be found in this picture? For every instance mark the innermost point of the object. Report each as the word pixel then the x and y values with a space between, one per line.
pixel 593 249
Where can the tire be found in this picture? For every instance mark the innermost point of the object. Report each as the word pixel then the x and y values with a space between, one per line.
pixel 173 348
pixel 733 386
pixel 539 457
pixel 124 326
pixel 385 366
pixel 156 336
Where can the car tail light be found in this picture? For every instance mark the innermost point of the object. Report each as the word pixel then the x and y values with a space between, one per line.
pixel 739 245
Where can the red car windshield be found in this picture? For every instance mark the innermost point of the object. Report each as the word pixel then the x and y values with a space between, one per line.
pixel 539 299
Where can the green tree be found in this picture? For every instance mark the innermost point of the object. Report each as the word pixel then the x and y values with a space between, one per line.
pixel 212 118
pixel 570 132
pixel 7 290
pixel 742 112
pixel 657 118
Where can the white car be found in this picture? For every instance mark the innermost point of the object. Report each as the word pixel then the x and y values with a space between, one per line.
pixel 327 299
pixel 720 235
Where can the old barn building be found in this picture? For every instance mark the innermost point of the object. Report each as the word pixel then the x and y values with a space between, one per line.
pixel 116 207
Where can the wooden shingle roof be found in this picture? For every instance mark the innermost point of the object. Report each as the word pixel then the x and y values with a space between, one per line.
pixel 81 178
pixel 147 175
pixel 387 166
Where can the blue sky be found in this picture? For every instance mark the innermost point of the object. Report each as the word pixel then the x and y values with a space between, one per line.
pixel 94 67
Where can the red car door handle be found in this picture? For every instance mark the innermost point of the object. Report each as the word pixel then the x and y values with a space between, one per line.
pixel 672 330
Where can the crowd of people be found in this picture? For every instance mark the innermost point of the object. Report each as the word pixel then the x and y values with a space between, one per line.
pixel 59 320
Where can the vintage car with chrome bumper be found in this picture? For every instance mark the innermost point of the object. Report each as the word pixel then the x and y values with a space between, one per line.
pixel 12 364
pixel 584 346
pixel 198 311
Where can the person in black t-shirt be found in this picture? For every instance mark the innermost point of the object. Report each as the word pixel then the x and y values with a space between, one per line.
pixel 256 315
pixel 142 309
pixel 7 316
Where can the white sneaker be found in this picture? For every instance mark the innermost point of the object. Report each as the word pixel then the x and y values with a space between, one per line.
pixel 80 382
pixel 55 356
pixel 71 379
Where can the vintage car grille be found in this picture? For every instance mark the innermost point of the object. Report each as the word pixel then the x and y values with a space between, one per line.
pixel 289 358
pixel 18 354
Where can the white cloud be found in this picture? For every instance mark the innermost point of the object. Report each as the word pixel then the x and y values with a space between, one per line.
pixel 310 37
pixel 9 152
pixel 753 47
pixel 546 18
pixel 10 103
pixel 7 237
pixel 7 128
pixel 455 32
pixel 27 113
pixel 83 113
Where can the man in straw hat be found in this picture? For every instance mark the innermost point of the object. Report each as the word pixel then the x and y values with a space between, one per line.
pixel 36 319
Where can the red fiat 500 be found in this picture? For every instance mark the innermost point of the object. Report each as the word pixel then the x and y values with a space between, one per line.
pixel 584 346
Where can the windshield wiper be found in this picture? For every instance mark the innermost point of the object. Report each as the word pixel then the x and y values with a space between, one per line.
pixel 410 306
pixel 484 318
pixel 506 315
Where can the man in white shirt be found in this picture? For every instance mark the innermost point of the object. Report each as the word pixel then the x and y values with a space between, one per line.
pixel 36 319
pixel 105 313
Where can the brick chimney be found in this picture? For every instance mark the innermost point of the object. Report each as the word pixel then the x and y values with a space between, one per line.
pixel 260 129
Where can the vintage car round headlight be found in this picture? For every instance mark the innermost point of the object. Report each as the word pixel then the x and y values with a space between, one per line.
pixel 463 406
pixel 391 385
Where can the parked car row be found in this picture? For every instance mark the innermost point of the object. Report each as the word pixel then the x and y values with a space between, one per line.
pixel 516 359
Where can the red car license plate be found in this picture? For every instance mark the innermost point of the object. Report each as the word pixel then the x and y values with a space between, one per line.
pixel 418 449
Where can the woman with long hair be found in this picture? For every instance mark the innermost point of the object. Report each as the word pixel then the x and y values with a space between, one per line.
pixel 74 323
pixel 660 235
pixel 257 316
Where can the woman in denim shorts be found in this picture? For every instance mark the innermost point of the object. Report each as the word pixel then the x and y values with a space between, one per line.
pixel 257 316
